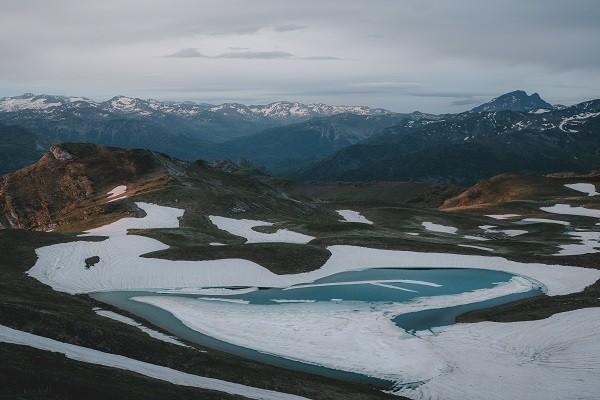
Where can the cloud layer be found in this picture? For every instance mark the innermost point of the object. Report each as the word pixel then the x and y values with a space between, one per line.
pixel 431 55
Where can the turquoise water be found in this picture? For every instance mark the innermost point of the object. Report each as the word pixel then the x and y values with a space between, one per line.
pixel 374 285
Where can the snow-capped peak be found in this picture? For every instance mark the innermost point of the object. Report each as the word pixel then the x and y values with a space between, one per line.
pixel 132 105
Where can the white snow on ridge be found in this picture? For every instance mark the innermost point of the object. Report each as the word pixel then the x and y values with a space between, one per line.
pixel 353 216
pixel 150 332
pixel 117 193
pixel 12 104
pixel 567 209
pixel 433 227
pixel 61 266
pixel 243 228
pixel 576 120
pixel 588 188
pixel 87 355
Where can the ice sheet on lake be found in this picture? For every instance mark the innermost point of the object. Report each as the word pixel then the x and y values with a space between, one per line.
pixel 322 333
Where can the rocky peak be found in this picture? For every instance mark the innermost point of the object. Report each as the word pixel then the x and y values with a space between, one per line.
pixel 60 154
pixel 517 100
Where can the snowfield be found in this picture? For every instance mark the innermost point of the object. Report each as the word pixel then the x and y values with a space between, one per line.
pixel 464 361
pixel 62 266
pixel 554 358
pixel 353 216
pixel 91 356
pixel 243 228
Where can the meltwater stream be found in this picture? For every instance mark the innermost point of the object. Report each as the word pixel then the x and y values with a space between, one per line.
pixel 375 286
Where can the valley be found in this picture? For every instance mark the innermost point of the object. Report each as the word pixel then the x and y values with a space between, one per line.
pixel 303 272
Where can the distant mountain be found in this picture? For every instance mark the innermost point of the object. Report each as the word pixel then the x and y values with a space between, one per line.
pixel 18 148
pixel 515 101
pixel 181 129
pixel 463 148
pixel 281 147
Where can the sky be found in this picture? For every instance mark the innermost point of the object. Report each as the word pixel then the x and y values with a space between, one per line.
pixel 403 55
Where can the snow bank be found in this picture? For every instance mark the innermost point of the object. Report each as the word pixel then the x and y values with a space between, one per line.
pixel 243 228
pixel 353 216
pixel 567 209
pixel 430 226
pixel 62 266
pixel 588 188
pixel 87 355
pixel 150 332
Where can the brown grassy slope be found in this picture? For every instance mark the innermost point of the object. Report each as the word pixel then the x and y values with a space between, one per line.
pixel 505 188
pixel 69 185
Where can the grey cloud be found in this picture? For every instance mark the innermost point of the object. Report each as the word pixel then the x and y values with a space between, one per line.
pixel 289 28
pixel 187 53
pixel 263 55
pixel 321 58
pixel 238 53
pixel 458 51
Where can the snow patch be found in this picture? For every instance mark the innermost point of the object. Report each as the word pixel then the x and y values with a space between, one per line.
pixel 117 193
pixel 353 216
pixel 567 209
pixel 243 228
pixel 433 227
pixel 526 221
pixel 587 188
pixel 589 243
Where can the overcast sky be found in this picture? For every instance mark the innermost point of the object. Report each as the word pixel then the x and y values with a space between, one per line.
pixel 404 55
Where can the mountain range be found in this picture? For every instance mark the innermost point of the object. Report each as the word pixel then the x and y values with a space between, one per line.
pixel 514 132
